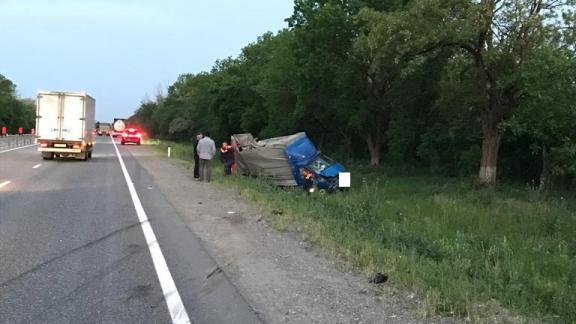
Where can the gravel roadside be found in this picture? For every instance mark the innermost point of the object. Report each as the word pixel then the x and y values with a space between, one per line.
pixel 284 278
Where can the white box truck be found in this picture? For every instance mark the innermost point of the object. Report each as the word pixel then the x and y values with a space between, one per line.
pixel 64 124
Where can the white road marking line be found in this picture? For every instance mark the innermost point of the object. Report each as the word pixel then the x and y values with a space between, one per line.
pixel 37 166
pixel 18 148
pixel 4 184
pixel 171 296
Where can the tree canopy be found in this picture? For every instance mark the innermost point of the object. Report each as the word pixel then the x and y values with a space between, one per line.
pixel 460 87
pixel 15 112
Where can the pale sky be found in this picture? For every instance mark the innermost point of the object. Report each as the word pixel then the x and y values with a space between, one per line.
pixel 121 51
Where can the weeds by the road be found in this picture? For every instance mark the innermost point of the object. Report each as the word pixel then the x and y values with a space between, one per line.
pixel 180 151
pixel 459 246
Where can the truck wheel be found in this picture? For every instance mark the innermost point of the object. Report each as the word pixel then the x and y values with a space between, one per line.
pixel 138 143
pixel 48 156
pixel 90 154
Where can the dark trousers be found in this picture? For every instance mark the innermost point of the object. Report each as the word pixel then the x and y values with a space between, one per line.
pixel 308 184
pixel 205 170
pixel 228 168
pixel 196 167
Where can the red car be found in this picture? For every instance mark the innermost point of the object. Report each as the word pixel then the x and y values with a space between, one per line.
pixel 131 135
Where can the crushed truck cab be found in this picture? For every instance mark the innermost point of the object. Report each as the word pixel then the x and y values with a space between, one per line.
pixel 282 159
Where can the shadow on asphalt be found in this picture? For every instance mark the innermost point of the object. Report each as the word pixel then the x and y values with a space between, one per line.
pixel 94 159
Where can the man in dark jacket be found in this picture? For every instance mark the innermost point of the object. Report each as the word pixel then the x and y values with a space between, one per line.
pixel 196 157
pixel 227 157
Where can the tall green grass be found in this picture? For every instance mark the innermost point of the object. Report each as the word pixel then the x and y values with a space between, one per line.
pixel 461 247
pixel 182 151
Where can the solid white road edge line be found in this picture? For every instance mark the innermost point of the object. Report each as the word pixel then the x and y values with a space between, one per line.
pixel 37 166
pixel 4 184
pixel 18 148
pixel 173 301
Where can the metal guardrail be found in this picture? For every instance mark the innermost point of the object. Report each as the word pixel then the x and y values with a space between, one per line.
pixel 12 141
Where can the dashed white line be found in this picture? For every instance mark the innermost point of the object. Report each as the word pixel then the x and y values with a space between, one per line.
pixel 37 166
pixel 4 184
pixel 18 148
pixel 171 296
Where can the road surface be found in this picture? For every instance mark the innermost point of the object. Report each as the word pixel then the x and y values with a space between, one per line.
pixel 73 248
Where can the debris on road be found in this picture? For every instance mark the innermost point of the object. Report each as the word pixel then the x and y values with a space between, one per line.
pixel 214 272
pixel 378 278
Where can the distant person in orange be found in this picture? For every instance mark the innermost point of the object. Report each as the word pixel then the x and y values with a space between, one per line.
pixel 227 157
pixel 308 180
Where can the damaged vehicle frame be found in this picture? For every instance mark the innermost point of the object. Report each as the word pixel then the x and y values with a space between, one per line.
pixel 282 159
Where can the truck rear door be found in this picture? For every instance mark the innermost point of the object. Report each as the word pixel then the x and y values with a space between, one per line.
pixel 48 126
pixel 72 118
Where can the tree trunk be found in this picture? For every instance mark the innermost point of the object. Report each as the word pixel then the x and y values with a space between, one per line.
pixel 321 142
pixel 544 174
pixel 492 138
pixel 347 140
pixel 374 149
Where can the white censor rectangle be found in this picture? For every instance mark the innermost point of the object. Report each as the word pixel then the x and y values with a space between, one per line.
pixel 344 180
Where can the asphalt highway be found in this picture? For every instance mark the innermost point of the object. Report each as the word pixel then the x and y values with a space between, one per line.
pixel 89 242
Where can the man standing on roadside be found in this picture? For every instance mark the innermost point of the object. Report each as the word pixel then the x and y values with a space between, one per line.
pixel 206 151
pixel 196 157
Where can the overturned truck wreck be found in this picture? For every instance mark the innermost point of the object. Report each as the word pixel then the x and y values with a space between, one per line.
pixel 282 159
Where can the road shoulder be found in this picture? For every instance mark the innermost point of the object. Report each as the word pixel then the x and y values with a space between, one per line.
pixel 280 274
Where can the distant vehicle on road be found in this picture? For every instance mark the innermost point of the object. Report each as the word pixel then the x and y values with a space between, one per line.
pixel 64 124
pixel 104 129
pixel 118 126
pixel 131 135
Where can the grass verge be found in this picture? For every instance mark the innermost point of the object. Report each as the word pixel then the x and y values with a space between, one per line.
pixel 461 247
